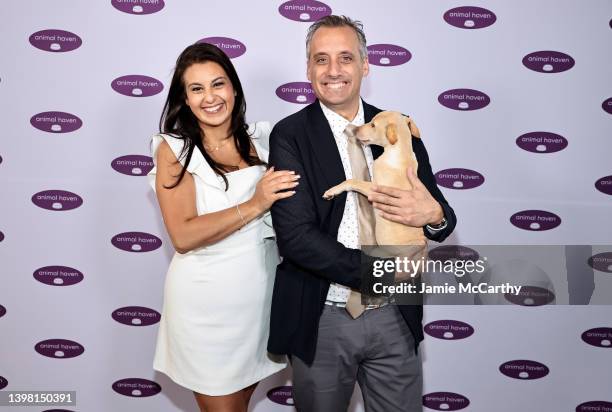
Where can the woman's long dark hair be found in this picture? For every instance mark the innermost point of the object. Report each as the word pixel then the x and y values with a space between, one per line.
pixel 178 119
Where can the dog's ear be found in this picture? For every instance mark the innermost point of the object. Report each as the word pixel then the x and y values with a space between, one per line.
pixel 391 133
pixel 414 130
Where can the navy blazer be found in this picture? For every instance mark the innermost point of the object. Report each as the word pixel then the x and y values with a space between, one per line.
pixel 306 228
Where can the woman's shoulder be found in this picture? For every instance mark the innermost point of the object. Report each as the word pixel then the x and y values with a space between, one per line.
pixel 175 142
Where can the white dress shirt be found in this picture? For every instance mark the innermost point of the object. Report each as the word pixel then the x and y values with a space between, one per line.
pixel 348 232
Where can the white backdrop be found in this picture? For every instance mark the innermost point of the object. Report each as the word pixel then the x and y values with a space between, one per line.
pixel 63 278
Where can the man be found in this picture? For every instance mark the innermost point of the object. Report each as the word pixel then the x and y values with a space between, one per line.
pixel 319 242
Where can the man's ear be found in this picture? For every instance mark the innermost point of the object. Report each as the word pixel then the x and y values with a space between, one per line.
pixel 414 130
pixel 391 133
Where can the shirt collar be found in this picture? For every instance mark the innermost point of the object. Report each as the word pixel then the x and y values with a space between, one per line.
pixel 338 123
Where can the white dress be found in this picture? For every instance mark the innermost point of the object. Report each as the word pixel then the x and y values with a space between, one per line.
pixel 215 320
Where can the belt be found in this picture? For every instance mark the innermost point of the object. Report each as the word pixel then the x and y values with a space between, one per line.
pixel 343 305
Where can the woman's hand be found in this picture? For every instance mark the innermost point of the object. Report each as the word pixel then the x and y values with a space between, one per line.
pixel 273 186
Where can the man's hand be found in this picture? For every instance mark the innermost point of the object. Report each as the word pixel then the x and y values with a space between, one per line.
pixel 415 207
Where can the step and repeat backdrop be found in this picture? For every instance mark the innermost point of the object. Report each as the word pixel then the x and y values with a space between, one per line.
pixel 514 103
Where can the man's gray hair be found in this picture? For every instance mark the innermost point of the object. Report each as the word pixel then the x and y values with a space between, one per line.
pixel 338 21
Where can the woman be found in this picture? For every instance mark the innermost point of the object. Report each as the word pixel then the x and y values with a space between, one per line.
pixel 214 193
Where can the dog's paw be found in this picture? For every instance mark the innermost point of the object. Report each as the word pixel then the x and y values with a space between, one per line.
pixel 329 195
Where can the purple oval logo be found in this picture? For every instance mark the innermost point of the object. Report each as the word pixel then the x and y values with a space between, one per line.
pixel 138 6
pixel 56 41
pixel 604 185
pixel 133 165
pixel 524 369
pixel 449 329
pixel 470 17
pixel 56 122
pixel 548 61
pixel 459 178
pixel 445 401
pixel 136 387
pixel 283 395
pixel 387 55
pixel 136 316
pixel 57 410
pixel 3 382
pixel 607 105
pixel 304 10
pixel 536 220
pixel 601 262
pixel 58 275
pixel 59 348
pixel 136 242
pixel 233 48
pixel 594 406
pixel 57 200
pixel 2 311
pixel 541 142
pixel 135 85
pixel 449 252
pixel 296 92
pixel 463 99
pixel 531 296
pixel 600 337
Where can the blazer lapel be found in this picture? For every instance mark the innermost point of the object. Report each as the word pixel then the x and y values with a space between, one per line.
pixel 322 139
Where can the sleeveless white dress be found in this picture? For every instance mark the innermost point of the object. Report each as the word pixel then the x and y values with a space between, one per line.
pixel 215 319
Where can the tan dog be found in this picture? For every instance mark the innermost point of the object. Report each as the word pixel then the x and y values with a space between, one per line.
pixel 393 132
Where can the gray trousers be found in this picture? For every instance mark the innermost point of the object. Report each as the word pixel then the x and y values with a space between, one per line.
pixel 375 350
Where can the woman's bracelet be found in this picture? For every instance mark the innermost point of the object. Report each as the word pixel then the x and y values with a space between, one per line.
pixel 241 217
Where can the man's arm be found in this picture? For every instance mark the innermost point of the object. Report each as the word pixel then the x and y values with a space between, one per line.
pixel 421 205
pixel 297 231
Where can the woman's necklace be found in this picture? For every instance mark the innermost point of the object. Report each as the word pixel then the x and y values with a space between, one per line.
pixel 217 147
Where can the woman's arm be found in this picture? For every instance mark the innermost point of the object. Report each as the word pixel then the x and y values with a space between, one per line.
pixel 189 231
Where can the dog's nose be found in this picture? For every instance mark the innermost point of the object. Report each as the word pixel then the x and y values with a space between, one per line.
pixel 350 130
